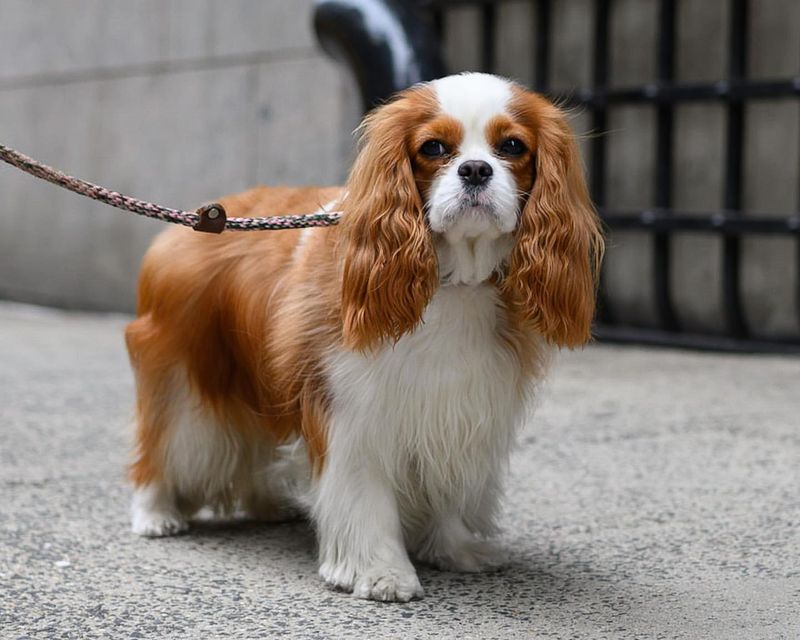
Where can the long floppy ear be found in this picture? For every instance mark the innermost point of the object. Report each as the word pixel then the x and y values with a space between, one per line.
pixel 389 262
pixel 552 271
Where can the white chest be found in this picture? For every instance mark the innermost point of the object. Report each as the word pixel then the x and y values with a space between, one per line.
pixel 438 408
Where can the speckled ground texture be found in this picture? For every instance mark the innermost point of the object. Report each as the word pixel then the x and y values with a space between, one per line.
pixel 656 494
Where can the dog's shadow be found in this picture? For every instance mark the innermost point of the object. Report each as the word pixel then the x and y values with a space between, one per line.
pixel 533 584
pixel 255 540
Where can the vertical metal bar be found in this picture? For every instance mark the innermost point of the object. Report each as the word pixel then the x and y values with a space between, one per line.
pixel 542 46
pixel 664 156
pixel 438 23
pixel 737 70
pixel 797 250
pixel 599 109
pixel 597 145
pixel 797 275
pixel 488 21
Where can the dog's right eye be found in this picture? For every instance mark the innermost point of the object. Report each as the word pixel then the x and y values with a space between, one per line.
pixel 433 149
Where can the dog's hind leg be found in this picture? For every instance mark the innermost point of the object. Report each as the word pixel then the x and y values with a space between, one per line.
pixel 155 510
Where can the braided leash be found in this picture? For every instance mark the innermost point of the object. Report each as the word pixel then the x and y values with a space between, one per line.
pixel 210 218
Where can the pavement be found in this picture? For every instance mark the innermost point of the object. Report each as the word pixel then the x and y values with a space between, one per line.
pixel 655 494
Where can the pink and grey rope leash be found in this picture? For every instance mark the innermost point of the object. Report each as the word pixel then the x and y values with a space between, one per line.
pixel 210 218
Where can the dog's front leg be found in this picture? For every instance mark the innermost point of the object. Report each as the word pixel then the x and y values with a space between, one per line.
pixel 361 541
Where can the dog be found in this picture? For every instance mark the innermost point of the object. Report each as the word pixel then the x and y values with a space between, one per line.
pixel 372 374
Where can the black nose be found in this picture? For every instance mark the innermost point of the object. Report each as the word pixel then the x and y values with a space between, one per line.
pixel 475 172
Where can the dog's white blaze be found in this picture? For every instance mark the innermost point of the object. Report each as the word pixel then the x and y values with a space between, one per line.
pixel 473 99
pixel 475 241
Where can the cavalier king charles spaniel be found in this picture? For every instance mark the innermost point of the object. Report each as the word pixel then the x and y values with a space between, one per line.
pixel 371 375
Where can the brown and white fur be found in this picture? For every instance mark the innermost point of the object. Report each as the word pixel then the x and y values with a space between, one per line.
pixel 374 373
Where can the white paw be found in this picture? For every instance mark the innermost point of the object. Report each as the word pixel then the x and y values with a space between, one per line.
pixel 383 582
pixel 154 524
pixel 468 556
pixel 388 584
pixel 338 575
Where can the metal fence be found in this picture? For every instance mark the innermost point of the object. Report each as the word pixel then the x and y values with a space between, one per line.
pixel 342 25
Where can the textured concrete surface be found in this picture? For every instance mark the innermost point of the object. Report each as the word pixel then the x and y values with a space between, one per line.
pixel 654 495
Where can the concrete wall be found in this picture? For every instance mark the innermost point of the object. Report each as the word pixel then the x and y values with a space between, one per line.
pixel 174 101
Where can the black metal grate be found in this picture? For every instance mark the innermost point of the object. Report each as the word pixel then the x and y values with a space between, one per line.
pixel 664 93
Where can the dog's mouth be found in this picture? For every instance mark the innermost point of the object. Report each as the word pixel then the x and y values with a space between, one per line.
pixel 469 211
pixel 476 198
pixel 475 206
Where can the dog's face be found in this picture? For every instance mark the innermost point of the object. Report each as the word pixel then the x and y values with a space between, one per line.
pixel 454 166
pixel 473 159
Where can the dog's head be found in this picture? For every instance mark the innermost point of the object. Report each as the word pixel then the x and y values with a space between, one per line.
pixel 468 161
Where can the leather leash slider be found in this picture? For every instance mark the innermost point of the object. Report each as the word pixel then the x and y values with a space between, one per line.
pixel 212 218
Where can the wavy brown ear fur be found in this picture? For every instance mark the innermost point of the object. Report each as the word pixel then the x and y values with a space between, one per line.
pixel 390 269
pixel 551 279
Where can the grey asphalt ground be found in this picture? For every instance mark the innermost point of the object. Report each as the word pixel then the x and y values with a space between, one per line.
pixel 654 495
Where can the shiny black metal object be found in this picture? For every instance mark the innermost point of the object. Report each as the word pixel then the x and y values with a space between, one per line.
pixel 662 245
pixel 388 44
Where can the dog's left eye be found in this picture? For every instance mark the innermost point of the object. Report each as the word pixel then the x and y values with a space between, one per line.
pixel 511 147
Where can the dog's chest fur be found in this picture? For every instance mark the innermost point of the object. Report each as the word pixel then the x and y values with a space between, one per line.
pixel 437 410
